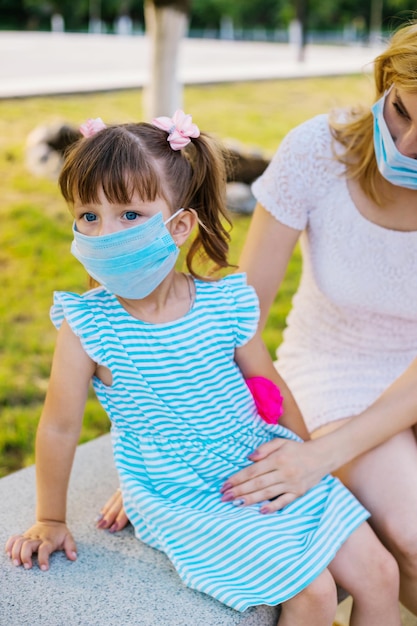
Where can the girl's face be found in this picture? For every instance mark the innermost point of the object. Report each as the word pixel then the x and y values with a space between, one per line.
pixel 400 113
pixel 104 217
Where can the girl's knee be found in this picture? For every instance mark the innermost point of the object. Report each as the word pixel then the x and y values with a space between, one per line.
pixel 318 601
pixel 402 542
pixel 382 574
pixel 388 571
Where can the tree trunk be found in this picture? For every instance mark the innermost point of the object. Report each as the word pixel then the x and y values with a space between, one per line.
pixel 375 27
pixel 165 26
pixel 301 9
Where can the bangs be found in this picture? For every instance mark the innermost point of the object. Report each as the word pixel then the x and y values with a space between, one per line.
pixel 113 161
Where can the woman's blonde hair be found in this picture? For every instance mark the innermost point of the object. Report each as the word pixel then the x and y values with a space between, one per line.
pixel 129 158
pixel 396 65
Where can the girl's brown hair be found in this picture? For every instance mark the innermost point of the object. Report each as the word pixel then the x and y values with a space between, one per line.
pixel 396 65
pixel 129 158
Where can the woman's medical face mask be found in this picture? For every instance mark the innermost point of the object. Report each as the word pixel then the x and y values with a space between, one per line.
pixel 132 262
pixel 398 169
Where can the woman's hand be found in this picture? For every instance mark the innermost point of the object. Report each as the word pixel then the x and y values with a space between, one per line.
pixel 282 470
pixel 112 515
pixel 43 538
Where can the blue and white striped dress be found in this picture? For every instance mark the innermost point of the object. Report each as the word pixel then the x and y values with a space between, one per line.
pixel 183 421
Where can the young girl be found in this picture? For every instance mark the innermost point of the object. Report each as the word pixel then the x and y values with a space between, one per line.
pixel 168 354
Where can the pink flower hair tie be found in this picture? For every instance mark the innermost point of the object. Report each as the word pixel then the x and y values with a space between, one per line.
pixel 180 129
pixel 92 126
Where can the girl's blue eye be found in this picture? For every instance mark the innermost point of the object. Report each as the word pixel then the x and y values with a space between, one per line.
pixel 89 217
pixel 131 215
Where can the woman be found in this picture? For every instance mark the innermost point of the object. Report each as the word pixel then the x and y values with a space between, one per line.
pixel 346 185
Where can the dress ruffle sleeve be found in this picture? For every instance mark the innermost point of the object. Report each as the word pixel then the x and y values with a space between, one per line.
pixel 79 313
pixel 244 306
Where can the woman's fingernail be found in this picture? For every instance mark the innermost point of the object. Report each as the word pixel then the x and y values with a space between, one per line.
pixel 225 487
pixel 113 528
pixel 227 497
pixel 238 502
pixel 264 510
pixel 44 568
pixel 16 562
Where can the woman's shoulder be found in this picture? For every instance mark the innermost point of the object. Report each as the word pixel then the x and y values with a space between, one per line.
pixel 313 124
pixel 311 136
pixel 299 174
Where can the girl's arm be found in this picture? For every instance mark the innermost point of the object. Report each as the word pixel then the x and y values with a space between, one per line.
pixel 56 440
pixel 288 469
pixel 253 359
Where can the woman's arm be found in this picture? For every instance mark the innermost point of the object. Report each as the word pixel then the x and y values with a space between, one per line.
pixel 265 256
pixel 56 440
pixel 286 469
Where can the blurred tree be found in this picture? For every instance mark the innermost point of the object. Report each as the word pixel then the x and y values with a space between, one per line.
pixel 390 14
pixel 244 13
pixel 166 24
pixel 301 16
pixel 208 14
pixel 76 13
pixel 40 11
pixel 12 12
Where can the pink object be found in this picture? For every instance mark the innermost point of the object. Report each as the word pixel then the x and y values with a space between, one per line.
pixel 268 398
pixel 92 126
pixel 179 128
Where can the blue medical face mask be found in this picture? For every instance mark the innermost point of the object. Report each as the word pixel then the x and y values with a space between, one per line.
pixel 396 168
pixel 132 262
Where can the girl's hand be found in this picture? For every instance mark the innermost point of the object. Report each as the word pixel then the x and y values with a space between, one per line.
pixel 282 471
pixel 43 538
pixel 112 515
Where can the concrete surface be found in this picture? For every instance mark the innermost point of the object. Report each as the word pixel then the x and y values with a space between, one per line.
pixel 116 580
pixel 34 63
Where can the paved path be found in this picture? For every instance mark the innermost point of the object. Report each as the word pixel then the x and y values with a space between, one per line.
pixel 34 63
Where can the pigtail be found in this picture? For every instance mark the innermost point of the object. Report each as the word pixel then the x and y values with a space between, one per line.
pixel 207 196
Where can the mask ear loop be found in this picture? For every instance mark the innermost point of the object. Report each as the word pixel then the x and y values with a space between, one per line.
pixel 174 215
pixel 171 218
pixel 199 222
pixel 386 93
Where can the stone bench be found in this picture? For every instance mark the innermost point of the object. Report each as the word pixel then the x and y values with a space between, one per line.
pixel 116 580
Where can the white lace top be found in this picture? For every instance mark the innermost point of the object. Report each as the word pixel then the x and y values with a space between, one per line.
pixel 353 326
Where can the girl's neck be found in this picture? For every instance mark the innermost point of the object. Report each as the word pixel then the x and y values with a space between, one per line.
pixel 170 301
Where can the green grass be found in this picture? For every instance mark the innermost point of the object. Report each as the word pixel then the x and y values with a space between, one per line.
pixel 35 227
